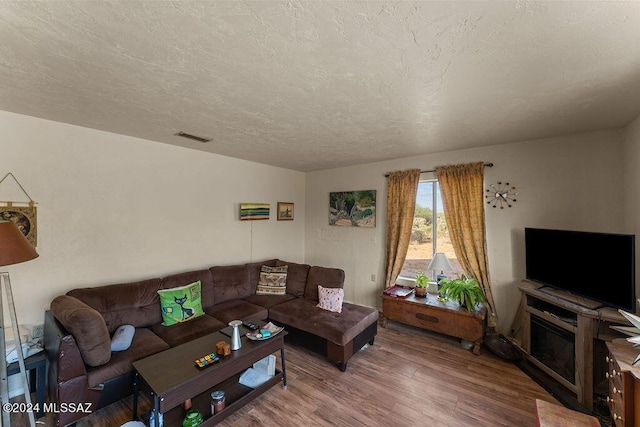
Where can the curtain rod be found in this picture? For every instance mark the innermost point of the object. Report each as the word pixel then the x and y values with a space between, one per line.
pixel 486 165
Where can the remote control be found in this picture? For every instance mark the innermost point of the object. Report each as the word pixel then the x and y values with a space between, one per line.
pixel 207 360
pixel 251 325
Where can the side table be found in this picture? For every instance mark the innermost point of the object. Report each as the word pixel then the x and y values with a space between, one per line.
pixel 37 367
pixel 438 316
pixel 624 383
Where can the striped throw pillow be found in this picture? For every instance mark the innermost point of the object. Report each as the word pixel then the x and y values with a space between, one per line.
pixel 273 281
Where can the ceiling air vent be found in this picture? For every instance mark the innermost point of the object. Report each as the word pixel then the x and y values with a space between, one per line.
pixel 194 137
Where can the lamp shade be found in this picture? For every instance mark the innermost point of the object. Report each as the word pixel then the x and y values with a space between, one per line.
pixel 440 262
pixel 14 247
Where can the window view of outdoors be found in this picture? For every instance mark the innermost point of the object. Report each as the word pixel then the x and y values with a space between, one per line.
pixel 429 234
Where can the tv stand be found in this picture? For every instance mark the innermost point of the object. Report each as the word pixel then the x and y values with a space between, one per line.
pixel 575 299
pixel 555 322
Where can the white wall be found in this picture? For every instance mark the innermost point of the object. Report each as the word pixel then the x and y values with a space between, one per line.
pixel 567 182
pixel 112 208
pixel 631 195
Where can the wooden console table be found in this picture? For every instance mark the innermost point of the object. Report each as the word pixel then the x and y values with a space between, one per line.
pixel 438 316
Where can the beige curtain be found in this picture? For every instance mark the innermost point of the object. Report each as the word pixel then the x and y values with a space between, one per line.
pixel 462 195
pixel 401 205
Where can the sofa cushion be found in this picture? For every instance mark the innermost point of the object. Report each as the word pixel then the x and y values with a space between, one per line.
pixel 181 304
pixel 339 328
pixel 273 280
pixel 134 303
pixel 182 332
pixel 144 343
pixel 87 327
pixel 327 277
pixel 230 282
pixel 268 301
pixel 330 299
pixel 237 309
pixel 296 277
pixel 254 272
pixel 181 279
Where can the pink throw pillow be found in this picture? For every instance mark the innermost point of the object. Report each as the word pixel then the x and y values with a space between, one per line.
pixel 330 299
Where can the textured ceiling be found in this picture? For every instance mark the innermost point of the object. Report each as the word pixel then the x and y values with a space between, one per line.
pixel 310 85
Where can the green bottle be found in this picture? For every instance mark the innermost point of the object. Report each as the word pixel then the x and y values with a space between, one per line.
pixel 192 419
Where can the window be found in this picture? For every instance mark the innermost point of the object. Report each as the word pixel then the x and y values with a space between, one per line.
pixel 429 233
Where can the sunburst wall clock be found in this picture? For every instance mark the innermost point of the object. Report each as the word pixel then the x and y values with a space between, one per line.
pixel 501 195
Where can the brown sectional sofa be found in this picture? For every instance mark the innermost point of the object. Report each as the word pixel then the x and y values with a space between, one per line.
pixel 82 368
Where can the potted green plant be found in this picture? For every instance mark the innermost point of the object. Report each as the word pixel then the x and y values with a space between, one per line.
pixel 422 281
pixel 465 290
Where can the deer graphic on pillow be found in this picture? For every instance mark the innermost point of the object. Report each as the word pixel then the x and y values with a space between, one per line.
pixel 185 310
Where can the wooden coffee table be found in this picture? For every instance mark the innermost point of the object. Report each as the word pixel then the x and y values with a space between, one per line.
pixel 171 377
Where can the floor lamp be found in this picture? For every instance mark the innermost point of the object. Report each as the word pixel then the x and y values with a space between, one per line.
pixel 14 249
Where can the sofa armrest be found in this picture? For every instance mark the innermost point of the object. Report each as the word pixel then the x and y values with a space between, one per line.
pixel 63 355
pixel 87 326
pixel 66 371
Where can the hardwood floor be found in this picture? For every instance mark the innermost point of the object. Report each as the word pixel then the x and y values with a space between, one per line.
pixel 408 377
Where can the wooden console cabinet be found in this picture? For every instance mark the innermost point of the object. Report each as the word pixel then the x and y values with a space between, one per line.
pixel 624 384
pixel 430 313
pixel 584 321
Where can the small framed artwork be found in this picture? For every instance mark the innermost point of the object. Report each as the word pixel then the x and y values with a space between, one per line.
pixel 254 211
pixel 285 211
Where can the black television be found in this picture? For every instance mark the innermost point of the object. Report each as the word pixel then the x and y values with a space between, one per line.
pixel 597 266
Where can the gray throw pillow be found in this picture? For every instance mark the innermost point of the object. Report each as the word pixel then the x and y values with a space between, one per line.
pixel 122 338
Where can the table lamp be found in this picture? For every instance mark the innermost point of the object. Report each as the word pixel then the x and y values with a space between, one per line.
pixel 14 249
pixel 440 262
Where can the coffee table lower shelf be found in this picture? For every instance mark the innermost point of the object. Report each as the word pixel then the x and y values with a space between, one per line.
pixel 236 396
pixel 171 377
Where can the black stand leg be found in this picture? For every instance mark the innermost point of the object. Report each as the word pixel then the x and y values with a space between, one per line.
pixel 41 387
pixel 136 389
pixel 284 371
pixel 156 410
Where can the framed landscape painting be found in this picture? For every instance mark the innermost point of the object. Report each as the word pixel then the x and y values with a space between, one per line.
pixel 285 211
pixel 352 208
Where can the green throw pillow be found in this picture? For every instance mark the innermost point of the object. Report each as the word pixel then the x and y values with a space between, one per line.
pixel 181 304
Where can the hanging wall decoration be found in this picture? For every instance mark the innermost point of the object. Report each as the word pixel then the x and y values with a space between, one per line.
pixel 501 195
pixel 254 211
pixel 23 213
pixel 285 211
pixel 353 208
